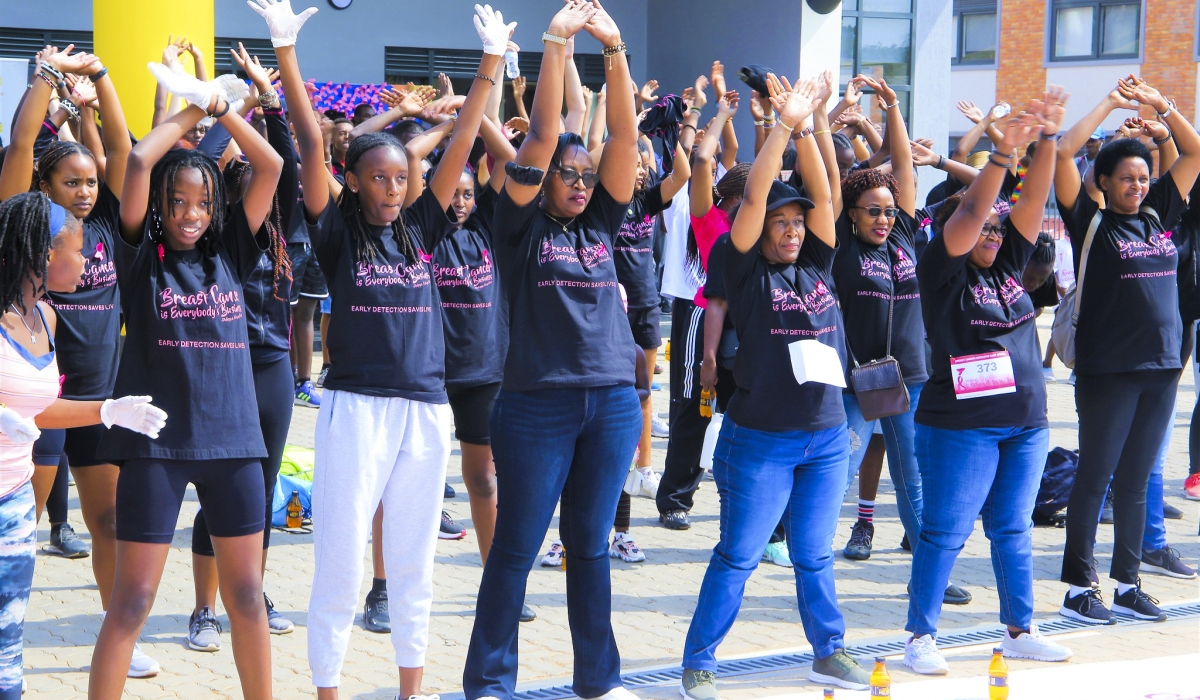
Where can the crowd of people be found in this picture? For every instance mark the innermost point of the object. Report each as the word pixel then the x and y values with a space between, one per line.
pixel 499 281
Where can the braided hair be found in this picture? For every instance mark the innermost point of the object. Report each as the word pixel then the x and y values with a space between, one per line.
pixel 365 250
pixel 55 153
pixel 860 181
pixel 25 243
pixel 281 263
pixel 162 183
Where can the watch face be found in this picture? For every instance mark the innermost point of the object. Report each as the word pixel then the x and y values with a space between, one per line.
pixel 340 4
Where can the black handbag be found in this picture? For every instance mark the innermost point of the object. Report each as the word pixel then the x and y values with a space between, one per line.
pixel 879 385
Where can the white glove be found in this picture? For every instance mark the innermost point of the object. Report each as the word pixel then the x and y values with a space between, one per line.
pixel 135 413
pixel 195 91
pixel 492 31
pixel 19 431
pixel 232 88
pixel 283 24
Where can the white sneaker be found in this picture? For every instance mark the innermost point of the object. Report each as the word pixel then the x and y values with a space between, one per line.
pixel 1048 374
pixel 554 558
pixel 921 655
pixel 422 697
pixel 1033 645
pixel 649 485
pixel 659 428
pixel 618 693
pixel 141 665
pixel 1071 379
pixel 624 549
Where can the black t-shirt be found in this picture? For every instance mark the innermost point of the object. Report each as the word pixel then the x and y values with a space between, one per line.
pixel 186 345
pixel 1129 310
pixel 268 307
pixel 971 311
pixel 714 288
pixel 89 318
pixel 566 324
pixel 634 247
pixel 1189 262
pixel 942 190
pixel 774 305
pixel 475 328
pixel 385 332
pixel 867 277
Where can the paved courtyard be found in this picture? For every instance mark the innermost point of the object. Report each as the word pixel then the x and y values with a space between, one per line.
pixel 652 603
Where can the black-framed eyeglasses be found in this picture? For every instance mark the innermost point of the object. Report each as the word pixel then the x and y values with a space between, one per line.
pixel 874 212
pixel 570 177
pixel 997 230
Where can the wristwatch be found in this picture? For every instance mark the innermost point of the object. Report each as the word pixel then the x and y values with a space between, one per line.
pixel 268 98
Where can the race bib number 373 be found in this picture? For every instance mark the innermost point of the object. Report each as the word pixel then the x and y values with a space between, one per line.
pixel 986 374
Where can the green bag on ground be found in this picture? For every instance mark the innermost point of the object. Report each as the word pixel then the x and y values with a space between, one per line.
pixel 298 462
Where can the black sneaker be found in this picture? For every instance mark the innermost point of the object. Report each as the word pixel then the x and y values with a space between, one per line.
pixel 450 530
pixel 675 520
pixel 1166 561
pixel 449 492
pixel 1087 607
pixel 1106 513
pixel 64 543
pixel 905 544
pixel 956 595
pixel 527 614
pixel 1170 512
pixel 1135 603
pixel 859 546
pixel 375 613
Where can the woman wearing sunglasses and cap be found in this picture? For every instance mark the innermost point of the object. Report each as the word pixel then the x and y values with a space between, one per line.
pixel 982 433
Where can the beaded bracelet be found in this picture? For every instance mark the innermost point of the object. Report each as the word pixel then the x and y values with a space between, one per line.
pixel 488 78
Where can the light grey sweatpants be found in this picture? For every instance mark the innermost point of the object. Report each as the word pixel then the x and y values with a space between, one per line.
pixel 372 448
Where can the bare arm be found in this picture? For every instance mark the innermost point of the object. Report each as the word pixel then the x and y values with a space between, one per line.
pixel 923 156
pixel 314 176
pixel 901 149
pixel 1048 113
pixel 465 128
pixel 702 178
pixel 576 118
pixel 599 119
pixel 67 413
pixel 618 169
pixel 501 150
pixel 714 325
pixel 518 85
pixel 149 150
pixel 824 139
pixel 1186 167
pixel 117 144
pixel 418 149
pixel 729 144
pixel 1066 176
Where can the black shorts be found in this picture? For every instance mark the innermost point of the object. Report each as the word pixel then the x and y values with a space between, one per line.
pixel 472 409
pixel 150 492
pixel 48 447
pixel 307 278
pixel 81 445
pixel 644 324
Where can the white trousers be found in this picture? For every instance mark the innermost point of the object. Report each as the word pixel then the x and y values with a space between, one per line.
pixel 372 448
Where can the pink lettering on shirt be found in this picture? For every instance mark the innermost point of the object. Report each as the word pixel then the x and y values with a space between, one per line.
pixel 477 277
pixel 819 300
pixel 1157 244
pixel 210 303
pixel 904 269
pixel 375 274
pixel 587 256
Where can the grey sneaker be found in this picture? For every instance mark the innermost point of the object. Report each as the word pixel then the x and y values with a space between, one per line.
pixel 204 632
pixel 699 685
pixel 842 670
pixel 64 543
pixel 277 623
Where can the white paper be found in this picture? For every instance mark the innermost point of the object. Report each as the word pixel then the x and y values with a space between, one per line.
pixel 813 361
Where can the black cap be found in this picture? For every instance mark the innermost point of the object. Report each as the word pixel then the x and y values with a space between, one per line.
pixel 782 193
pixel 755 75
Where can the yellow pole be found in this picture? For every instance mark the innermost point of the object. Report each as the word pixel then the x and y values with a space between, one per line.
pixel 128 34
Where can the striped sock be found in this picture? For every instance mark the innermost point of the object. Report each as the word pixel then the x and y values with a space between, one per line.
pixel 866 510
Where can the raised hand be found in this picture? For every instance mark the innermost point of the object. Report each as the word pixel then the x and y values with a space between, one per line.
pixel 518 87
pixel 853 92
pixel 699 98
pixel 492 30
pixel 587 94
pixel 1054 109
pixel 1134 88
pixel 518 124
pixel 64 62
pixel 756 108
pixel 794 104
pixel 253 69
pixel 444 105
pixel 881 88
pixel 445 87
pixel 1018 131
pixel 717 76
pixel 1121 98
pixel 283 24
pixel 571 18
pixel 728 104
pixel 970 111
pixel 602 27
pixel 824 86
pixel 85 91
pixel 646 94
pixel 922 154
pixel 183 85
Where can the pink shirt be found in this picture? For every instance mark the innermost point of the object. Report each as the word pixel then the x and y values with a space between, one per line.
pixel 707 229
pixel 27 385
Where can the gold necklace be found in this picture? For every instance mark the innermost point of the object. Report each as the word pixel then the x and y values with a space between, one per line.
pixel 564 226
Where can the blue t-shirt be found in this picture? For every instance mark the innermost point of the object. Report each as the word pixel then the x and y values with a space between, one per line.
pixel 89 318
pixel 385 331
pixel 970 311
pixel 567 327
pixel 774 305
pixel 186 345
pixel 475 327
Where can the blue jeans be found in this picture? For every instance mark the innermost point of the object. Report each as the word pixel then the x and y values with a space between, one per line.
pixel 990 471
pixel 758 475
pixel 17 556
pixel 573 443
pixel 902 458
pixel 1155 535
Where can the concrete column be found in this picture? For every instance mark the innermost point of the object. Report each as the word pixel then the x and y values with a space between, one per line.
pixel 128 34
pixel 820 42
pixel 928 117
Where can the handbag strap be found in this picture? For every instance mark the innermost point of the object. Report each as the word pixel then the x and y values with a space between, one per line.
pixel 1083 261
pixel 891 297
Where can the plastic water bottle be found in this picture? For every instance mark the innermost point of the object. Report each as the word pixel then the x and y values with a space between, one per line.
pixel 295 511
pixel 706 402
pixel 667 352
pixel 881 680
pixel 512 68
pixel 998 676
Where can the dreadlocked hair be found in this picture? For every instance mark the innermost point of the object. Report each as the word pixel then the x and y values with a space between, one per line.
pixel 365 250
pixel 281 263
pixel 25 243
pixel 860 181
pixel 56 152
pixel 162 183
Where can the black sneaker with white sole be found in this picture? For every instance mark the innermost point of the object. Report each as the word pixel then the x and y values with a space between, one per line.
pixel 1087 607
pixel 1166 562
pixel 1134 603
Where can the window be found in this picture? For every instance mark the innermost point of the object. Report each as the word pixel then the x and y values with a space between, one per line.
pixel 24 43
pixel 1095 29
pixel 974 32
pixel 877 41
pixel 420 65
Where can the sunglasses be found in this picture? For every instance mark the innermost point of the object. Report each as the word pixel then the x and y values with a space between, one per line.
pixel 874 212
pixel 999 231
pixel 570 177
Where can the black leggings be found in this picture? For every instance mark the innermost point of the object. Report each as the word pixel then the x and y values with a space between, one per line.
pixel 56 504
pixel 275 393
pixel 1122 421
